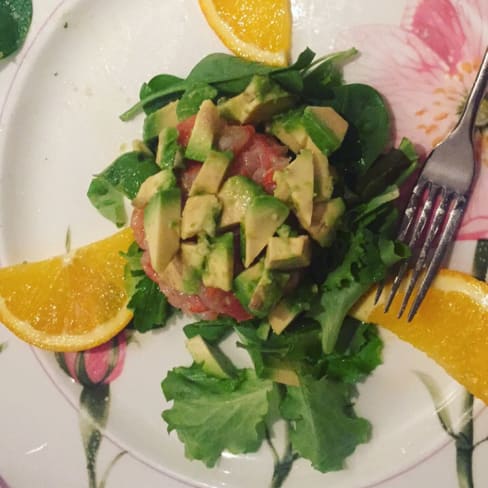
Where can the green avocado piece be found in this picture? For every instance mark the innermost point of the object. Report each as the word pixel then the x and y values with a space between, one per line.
pixel 295 183
pixel 286 253
pixel 212 359
pixel 236 194
pixel 259 289
pixel 162 217
pixel 281 371
pixel 325 217
pixel 207 127
pixel 212 172
pixel 322 177
pixel 261 99
pixel 325 127
pixel 289 129
pixel 199 216
pixel 169 153
pixel 156 121
pixel 291 305
pixel 219 267
pixel 164 180
pixel 193 256
pixel 263 216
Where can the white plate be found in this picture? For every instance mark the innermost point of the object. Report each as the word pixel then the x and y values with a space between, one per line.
pixel 82 65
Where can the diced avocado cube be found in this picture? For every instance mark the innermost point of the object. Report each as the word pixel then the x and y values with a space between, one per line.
pixel 323 180
pixel 173 274
pixel 267 293
pixel 281 316
pixel 261 99
pixel 325 127
pixel 263 216
pixel 164 180
pixel 212 359
pixel 291 305
pixel 286 253
pixel 156 121
pixel 245 283
pixel 206 129
pixel 296 182
pixel 193 256
pixel 219 268
pixel 212 172
pixel 325 218
pixel 236 194
pixel 281 371
pixel 162 217
pixel 259 289
pixel 199 216
pixel 169 153
pixel 289 129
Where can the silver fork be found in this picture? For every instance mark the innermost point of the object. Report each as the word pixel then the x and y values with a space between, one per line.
pixel 445 182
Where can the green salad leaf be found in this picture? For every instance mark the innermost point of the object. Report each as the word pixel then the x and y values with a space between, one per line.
pixel 15 20
pixel 324 429
pixel 211 414
pixel 121 179
pixel 150 306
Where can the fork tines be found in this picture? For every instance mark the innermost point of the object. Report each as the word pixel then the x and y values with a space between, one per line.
pixel 436 219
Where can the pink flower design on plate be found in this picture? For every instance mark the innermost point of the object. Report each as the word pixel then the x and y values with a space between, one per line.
pixel 425 67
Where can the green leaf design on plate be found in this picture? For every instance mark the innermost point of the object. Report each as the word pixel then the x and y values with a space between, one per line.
pixel 15 20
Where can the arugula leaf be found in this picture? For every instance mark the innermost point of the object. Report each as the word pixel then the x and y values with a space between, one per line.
pixel 192 98
pixel 212 414
pixel 150 306
pixel 15 20
pixel 133 271
pixel 213 331
pixel 357 352
pixel 325 428
pixel 122 178
pixel 362 266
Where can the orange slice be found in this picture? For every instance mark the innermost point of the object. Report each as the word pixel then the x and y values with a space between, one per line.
pixel 451 326
pixel 71 302
pixel 259 30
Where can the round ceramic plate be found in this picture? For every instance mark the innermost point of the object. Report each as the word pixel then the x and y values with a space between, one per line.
pixel 82 65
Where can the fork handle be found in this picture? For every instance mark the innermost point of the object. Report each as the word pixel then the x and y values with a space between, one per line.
pixel 475 96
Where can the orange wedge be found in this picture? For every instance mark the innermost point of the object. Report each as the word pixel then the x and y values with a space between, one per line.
pixel 259 30
pixel 71 302
pixel 451 326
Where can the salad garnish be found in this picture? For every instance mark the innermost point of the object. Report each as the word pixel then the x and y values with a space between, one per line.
pixel 264 205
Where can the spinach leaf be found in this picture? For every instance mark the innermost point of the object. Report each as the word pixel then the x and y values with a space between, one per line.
pixel 325 74
pixel 364 108
pixel 159 83
pixel 192 98
pixel 108 201
pixel 219 67
pixel 15 20
pixel 122 178
pixel 213 414
pixel 213 331
pixel 155 99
